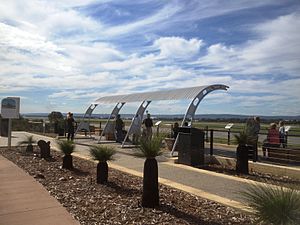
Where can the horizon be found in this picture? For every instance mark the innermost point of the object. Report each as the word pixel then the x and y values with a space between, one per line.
pixel 63 55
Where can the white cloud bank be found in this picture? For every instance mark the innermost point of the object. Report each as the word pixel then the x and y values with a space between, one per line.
pixel 56 47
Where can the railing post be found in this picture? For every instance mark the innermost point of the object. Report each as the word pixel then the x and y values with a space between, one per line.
pixel 206 133
pixel 228 137
pixel 211 142
pixel 286 139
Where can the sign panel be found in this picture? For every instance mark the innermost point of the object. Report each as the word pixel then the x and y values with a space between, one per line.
pixel 157 123
pixel 10 108
pixel 229 125
pixel 287 128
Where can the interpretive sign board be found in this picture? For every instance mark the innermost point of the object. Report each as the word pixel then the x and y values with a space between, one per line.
pixel 10 108
pixel 229 125
pixel 157 123
pixel 287 128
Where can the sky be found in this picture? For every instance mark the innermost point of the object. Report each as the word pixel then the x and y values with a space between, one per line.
pixel 61 55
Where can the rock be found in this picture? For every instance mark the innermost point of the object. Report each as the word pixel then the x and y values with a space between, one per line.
pixel 62 179
pixel 39 176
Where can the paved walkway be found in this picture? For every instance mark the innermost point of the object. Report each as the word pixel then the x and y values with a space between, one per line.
pixel 23 201
pixel 214 186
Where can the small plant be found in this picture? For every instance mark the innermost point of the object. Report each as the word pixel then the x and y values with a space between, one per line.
pixel 274 205
pixel 28 140
pixel 67 147
pixel 150 149
pixel 102 154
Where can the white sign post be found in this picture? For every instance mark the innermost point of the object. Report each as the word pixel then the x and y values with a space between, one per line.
pixel 228 127
pixel 10 109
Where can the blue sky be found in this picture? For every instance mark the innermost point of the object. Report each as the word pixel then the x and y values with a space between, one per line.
pixel 62 55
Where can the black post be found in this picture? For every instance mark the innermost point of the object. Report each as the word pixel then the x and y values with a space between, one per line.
pixel 285 140
pixel 228 137
pixel 211 142
pixel 206 133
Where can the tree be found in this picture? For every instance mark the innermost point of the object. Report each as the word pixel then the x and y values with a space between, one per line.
pixel 102 154
pixel 67 147
pixel 57 119
pixel 150 149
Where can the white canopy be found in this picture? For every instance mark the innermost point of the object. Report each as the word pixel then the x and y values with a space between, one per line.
pixel 174 94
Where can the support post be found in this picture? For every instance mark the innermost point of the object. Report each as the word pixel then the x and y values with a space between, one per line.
pixel 228 137
pixel 190 113
pixel 83 124
pixel 211 142
pixel 9 134
pixel 136 123
pixel 109 127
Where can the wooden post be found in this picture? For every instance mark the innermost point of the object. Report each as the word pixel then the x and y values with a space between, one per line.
pixel 9 134
pixel 211 142
pixel 228 137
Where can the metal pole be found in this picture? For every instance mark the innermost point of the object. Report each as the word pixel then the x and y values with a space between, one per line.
pixel 157 130
pixel 286 139
pixel 211 142
pixel 9 134
pixel 228 138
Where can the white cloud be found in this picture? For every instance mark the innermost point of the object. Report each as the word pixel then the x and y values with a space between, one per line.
pixel 276 50
pixel 176 47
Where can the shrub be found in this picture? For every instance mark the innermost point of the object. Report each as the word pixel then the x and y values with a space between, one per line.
pixel 102 153
pixel 273 204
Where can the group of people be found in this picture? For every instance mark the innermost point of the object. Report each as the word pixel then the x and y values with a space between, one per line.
pixel 276 137
pixel 146 131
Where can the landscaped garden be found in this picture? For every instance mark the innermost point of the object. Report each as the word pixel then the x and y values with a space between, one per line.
pixel 119 201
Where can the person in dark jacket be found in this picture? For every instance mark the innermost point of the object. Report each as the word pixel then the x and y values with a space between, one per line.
pixel 70 126
pixel 119 129
pixel 148 124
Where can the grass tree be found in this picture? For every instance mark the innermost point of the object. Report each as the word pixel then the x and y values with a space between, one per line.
pixel 242 153
pixel 67 147
pixel 150 149
pixel 29 141
pixel 102 154
pixel 273 204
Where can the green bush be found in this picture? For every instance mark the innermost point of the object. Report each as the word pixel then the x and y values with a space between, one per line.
pixel 102 153
pixel 67 147
pixel 150 148
pixel 273 204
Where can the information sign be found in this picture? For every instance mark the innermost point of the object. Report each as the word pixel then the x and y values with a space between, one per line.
pixel 10 108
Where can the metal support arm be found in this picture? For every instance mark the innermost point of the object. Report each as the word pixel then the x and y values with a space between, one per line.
pixel 136 123
pixel 109 126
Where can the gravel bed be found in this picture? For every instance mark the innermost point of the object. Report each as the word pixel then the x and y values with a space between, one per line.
pixel 118 202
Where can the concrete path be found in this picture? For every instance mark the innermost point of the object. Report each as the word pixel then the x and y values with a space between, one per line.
pixel 23 201
pixel 211 185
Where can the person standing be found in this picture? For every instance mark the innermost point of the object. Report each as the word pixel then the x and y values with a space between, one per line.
pixel 256 130
pixel 252 130
pixel 282 134
pixel 148 123
pixel 119 129
pixel 70 126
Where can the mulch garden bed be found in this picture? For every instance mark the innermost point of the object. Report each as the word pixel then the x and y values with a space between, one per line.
pixel 118 202
pixel 284 181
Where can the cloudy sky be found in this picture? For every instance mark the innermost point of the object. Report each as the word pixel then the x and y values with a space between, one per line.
pixel 62 55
